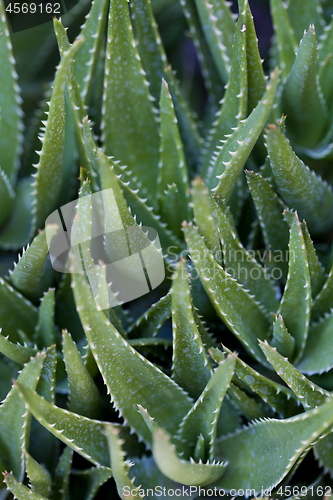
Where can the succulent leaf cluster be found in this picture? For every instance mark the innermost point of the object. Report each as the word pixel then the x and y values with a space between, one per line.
pixel 225 381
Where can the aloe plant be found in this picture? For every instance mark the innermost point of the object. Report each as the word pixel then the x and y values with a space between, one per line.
pixel 225 381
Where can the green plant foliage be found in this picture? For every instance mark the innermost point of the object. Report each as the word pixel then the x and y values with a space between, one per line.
pixel 142 391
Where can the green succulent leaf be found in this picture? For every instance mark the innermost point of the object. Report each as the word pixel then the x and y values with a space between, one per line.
pixel 130 130
pixel 32 274
pixel 282 340
pixel 39 477
pixel 49 169
pixel 62 475
pixel 86 58
pixel 302 14
pixel 316 269
pixel 45 329
pixel 15 420
pixel 172 167
pixel 309 394
pixel 23 315
pixel 218 27
pixel 201 421
pixel 322 304
pixel 119 466
pixel 84 397
pixel 270 214
pixel 277 396
pixel 20 491
pixel 234 103
pixel 298 186
pixel 191 369
pixel 286 43
pixel 317 356
pixel 11 124
pixel 242 265
pixel 16 352
pixel 302 99
pixel 7 196
pixel 180 470
pixel 232 302
pixel 297 292
pixel 151 321
pixel 130 378
pixel 245 404
pixel 235 151
pixel 82 434
pixel 93 478
pixel 280 441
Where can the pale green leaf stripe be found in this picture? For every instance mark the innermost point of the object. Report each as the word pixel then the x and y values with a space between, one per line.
pixel 190 366
pixel 83 435
pixel 39 477
pixel 273 226
pixel 201 421
pixel 16 352
pixel 32 273
pixel 234 103
pixel 236 150
pixel 277 396
pixel 286 42
pixel 309 394
pixel 87 56
pixel 20 491
pixel 297 292
pixel 49 169
pixel 218 27
pixel 179 470
pixel 240 312
pixel 129 123
pixel 23 315
pixel 302 100
pixel 84 397
pixel 7 194
pixel 11 114
pixel 15 420
pixel 299 186
pixel 280 442
pixel 119 466
pixel 130 378
pixel 318 353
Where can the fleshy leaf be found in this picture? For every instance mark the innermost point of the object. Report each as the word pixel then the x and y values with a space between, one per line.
pixel 219 28
pixel 62 475
pixel 20 491
pixel 129 123
pixel 23 315
pixel 18 353
pixel 82 434
pixel 232 302
pixel 190 366
pixel 130 378
pixel 316 270
pixel 245 404
pixel 118 464
pixel 317 356
pixel 11 113
pixel 297 292
pixel 302 13
pixel 45 328
pixel 84 397
pixel 277 396
pixel 172 167
pixel 32 274
pixel 286 42
pixel 235 151
pixel 15 420
pixel 234 103
pixel 201 421
pixel 282 340
pixel 280 441
pixel 7 196
pixel 322 304
pixel 179 470
pixel 92 478
pixel 39 477
pixel 298 186
pixel 309 394
pixel 151 321
pixel 302 99
pixel 49 169
pixel 273 226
